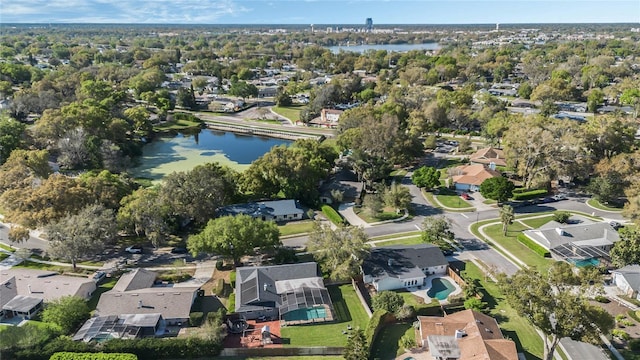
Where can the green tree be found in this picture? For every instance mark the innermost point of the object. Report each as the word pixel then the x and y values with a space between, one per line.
pixel 186 98
pixel 18 234
pixel 474 303
pixel 525 90
pixel 606 189
pixel 561 216
pixel 198 193
pixel 595 98
pixel 77 236
pixel 426 177
pixel 357 347
pixel 282 97
pixel 235 237
pixel 144 213
pixel 437 230
pixel 551 305
pixel 632 97
pixel 497 188
pixel 627 250
pixel 387 300
pixel 243 90
pixel 340 252
pixel 11 136
pixel 68 312
pixel 506 217
pixel 397 196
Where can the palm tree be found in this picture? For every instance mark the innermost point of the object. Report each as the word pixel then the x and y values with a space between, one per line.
pixel 506 216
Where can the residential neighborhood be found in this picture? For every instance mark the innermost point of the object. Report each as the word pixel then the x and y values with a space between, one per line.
pixel 175 190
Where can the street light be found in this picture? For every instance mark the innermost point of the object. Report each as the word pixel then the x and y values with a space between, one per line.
pixel 477 216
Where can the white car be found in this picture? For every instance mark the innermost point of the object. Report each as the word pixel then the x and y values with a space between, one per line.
pixel 134 249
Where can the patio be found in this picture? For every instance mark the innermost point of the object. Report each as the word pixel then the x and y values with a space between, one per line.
pixel 421 291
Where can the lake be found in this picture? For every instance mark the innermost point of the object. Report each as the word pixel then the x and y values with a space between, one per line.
pixel 387 47
pixel 182 152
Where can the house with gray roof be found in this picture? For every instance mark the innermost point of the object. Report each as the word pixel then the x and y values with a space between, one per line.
pixel 23 291
pixel 277 210
pixel 294 293
pixel 136 293
pixel 403 266
pixel 575 243
pixel 627 279
pixel 48 285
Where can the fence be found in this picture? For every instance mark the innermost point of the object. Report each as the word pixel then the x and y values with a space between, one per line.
pixel 456 277
pixel 283 351
pixel 362 299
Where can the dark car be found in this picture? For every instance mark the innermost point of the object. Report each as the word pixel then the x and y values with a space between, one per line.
pixel 615 225
pixel 99 276
pixel 179 250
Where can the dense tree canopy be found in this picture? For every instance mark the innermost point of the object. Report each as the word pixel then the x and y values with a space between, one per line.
pixel 235 237
pixel 340 252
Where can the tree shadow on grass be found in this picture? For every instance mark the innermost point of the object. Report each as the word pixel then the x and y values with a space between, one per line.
pixel 508 334
pixel 340 308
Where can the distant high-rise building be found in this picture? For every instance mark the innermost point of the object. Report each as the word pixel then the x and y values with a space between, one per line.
pixel 497 26
pixel 369 24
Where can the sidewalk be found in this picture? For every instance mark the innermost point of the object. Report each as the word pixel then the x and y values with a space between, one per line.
pixel 346 210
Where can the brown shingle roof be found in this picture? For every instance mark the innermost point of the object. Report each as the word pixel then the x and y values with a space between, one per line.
pixel 487 156
pixel 474 174
pixel 482 340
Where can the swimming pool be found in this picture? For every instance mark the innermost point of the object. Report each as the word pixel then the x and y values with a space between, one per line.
pixel 587 262
pixel 306 314
pixel 440 289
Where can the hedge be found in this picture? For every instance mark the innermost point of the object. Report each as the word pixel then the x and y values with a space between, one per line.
pixel 332 215
pixel 232 279
pixel 231 304
pixel 376 323
pixel 92 356
pixel 219 288
pixel 195 318
pixel 526 195
pixel 170 348
pixel 522 238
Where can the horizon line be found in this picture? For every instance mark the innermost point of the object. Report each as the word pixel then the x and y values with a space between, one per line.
pixel 316 24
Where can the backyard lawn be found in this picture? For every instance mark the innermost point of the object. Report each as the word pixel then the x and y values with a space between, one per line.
pixel 512 325
pixel 387 344
pixel 511 244
pixel 290 112
pixel 296 227
pixel 348 311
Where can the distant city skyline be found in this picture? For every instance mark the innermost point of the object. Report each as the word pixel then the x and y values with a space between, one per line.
pixel 319 11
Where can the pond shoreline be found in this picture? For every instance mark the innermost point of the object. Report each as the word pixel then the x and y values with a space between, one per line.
pixel 253 130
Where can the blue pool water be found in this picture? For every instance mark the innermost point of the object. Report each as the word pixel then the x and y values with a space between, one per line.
pixel 440 289
pixel 587 262
pixel 306 314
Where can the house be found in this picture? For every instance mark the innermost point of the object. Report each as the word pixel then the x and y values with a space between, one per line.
pixel 294 293
pixel 346 182
pixel 576 243
pixel 129 326
pixel 403 266
pixel 627 279
pixel 23 291
pixel 487 156
pixel 269 91
pixel 48 285
pixel 328 118
pixel 470 177
pixel 464 335
pixel 278 210
pixel 136 293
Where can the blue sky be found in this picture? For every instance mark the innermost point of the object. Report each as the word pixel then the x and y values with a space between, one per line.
pixel 318 11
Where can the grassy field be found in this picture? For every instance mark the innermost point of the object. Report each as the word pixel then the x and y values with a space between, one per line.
pixel 452 200
pixel 177 125
pixel 512 325
pixel 290 112
pixel 297 227
pixel 416 239
pixel 387 344
pixel 511 244
pixel 396 235
pixel 537 222
pixel 348 311
pixel 381 216
pixel 7 248
pixel 596 204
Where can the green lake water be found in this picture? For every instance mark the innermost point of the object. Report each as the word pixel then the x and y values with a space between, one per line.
pixel 182 152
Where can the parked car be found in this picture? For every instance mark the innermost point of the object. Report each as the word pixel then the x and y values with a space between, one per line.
pixel 179 250
pixel 559 197
pixel 465 196
pixel 134 249
pixel 99 276
pixel 615 225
